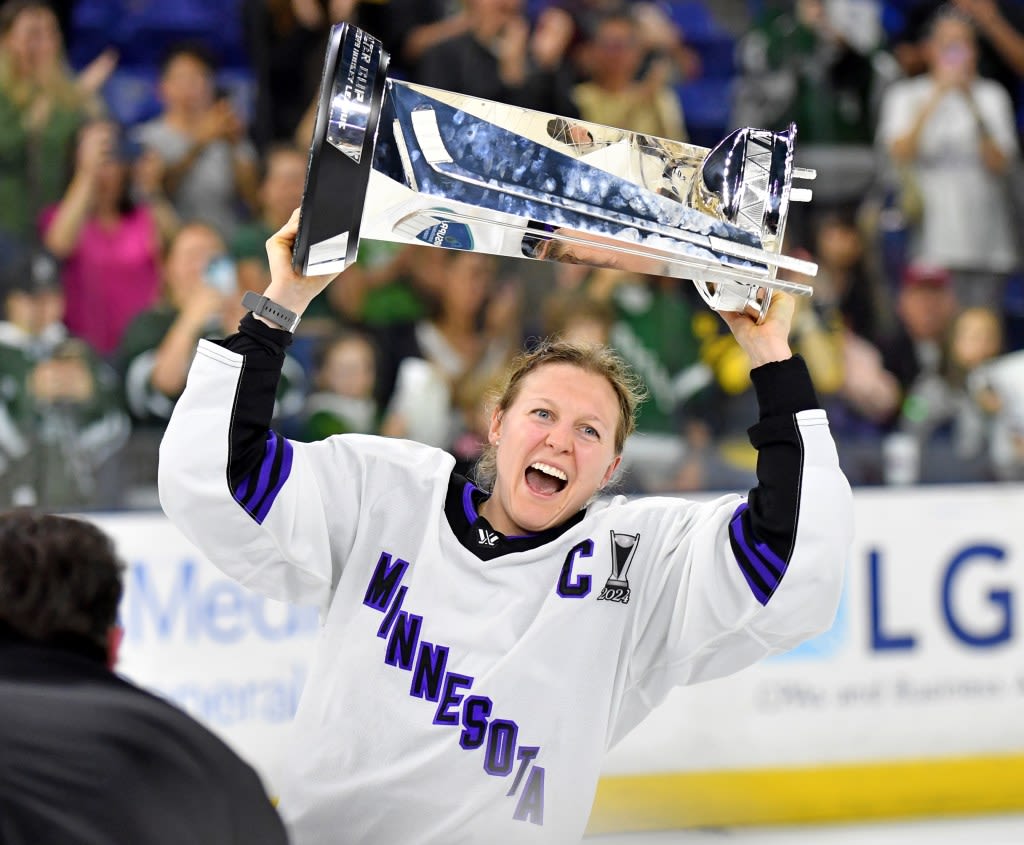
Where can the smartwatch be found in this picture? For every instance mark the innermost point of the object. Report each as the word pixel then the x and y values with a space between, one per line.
pixel 270 310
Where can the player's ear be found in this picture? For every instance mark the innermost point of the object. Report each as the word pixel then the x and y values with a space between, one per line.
pixel 614 465
pixel 115 636
pixel 494 429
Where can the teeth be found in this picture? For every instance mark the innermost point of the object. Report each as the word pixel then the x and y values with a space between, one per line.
pixel 550 470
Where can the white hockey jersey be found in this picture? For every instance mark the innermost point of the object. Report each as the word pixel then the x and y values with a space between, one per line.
pixel 466 685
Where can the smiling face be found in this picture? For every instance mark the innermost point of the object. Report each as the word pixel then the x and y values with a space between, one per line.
pixel 951 48
pixel 555 448
pixel 33 42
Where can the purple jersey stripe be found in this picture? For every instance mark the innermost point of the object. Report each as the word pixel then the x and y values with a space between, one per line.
pixel 776 564
pixel 467 502
pixel 767 577
pixel 240 491
pixel 266 465
pixel 756 587
pixel 286 469
pixel 766 571
pixel 772 558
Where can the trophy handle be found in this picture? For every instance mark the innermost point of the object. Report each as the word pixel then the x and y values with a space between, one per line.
pixel 746 179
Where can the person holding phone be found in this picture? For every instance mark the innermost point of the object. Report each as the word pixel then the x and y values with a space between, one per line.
pixel 156 350
pixel 954 134
pixel 109 243
pixel 42 107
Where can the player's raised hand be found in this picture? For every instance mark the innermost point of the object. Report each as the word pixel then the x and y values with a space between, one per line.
pixel 287 287
pixel 768 341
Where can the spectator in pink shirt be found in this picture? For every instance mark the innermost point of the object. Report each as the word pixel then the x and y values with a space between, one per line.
pixel 110 245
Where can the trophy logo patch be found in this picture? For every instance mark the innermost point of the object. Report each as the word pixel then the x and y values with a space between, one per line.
pixel 616 588
pixel 448 234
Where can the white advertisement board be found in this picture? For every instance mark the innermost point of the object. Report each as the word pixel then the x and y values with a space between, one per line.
pixel 925 659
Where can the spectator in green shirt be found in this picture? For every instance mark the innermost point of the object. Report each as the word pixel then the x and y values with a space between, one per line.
pixel 61 418
pixel 41 108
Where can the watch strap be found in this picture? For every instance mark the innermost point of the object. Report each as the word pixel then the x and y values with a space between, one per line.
pixel 261 306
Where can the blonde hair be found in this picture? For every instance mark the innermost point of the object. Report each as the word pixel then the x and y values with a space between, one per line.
pixel 63 89
pixel 592 358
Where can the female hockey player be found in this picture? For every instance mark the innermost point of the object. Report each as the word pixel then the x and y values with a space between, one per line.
pixel 482 646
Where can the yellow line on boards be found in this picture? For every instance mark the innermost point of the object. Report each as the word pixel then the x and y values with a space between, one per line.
pixel 943 786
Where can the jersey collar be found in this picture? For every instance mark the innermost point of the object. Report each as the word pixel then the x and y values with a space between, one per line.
pixel 462 508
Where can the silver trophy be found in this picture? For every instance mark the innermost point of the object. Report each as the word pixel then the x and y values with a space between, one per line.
pixel 396 161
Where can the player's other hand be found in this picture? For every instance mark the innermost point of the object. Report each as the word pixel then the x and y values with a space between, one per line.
pixel 768 341
pixel 287 287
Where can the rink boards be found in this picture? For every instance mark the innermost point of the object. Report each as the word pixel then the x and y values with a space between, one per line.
pixel 909 705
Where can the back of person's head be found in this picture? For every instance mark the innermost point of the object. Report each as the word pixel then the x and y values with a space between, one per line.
pixel 60 578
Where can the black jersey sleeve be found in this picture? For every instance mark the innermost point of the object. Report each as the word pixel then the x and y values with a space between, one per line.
pixel 263 349
pixel 783 389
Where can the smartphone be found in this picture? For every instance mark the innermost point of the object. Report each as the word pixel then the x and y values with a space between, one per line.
pixel 221 275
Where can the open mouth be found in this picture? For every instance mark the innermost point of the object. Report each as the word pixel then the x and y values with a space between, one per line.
pixel 545 479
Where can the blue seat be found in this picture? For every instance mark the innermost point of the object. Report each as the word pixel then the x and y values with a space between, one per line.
pixel 143 30
pixel 98 15
pixel 95 25
pixel 156 25
pixel 717 55
pixel 533 8
pixel 694 18
pixel 131 95
pixel 706 108
pixel 706 102
pixel 181 15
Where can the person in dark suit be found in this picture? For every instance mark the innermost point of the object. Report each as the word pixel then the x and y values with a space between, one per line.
pixel 87 756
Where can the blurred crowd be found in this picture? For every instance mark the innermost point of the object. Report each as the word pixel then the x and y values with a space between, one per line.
pixel 124 238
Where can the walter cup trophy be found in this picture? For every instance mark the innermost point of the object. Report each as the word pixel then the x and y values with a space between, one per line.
pixel 396 161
